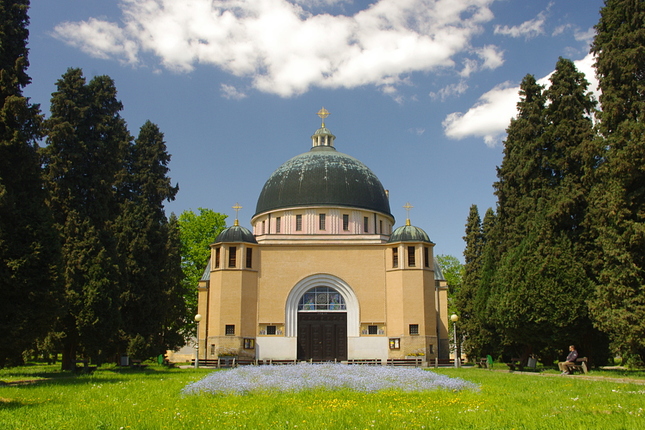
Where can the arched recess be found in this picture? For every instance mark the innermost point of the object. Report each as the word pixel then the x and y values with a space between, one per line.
pixel 321 280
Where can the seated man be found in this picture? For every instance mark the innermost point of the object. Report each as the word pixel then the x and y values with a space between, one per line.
pixel 565 366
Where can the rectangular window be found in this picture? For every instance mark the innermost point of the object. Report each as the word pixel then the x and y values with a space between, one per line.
pixel 395 257
pixel 262 227
pixel 249 343
pixel 431 348
pixel 298 222
pixel 230 330
pixel 366 224
pixel 345 222
pixel 395 343
pixel 271 329
pixel 426 257
pixel 414 329
pixel 380 226
pixel 217 256
pixel 232 255
pixel 278 221
pixel 249 258
pixel 321 222
pixel 411 260
pixel 372 329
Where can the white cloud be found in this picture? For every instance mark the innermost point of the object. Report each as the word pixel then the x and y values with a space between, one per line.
pixel 99 39
pixel 492 113
pixel 488 118
pixel 561 29
pixel 470 66
pixel 492 56
pixel 320 3
pixel 285 50
pixel 418 131
pixel 527 29
pixel 585 36
pixel 449 91
pixel 230 92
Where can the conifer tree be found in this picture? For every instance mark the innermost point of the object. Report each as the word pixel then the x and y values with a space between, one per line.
pixel 464 299
pixel 150 289
pixel 28 247
pixel 480 337
pixel 177 316
pixel 522 177
pixel 540 285
pixel 84 172
pixel 619 199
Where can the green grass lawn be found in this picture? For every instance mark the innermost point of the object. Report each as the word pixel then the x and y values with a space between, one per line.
pixel 151 399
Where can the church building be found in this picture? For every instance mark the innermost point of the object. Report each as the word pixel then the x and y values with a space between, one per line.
pixel 324 275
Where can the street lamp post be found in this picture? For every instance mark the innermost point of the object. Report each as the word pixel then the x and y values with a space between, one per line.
pixel 198 318
pixel 454 318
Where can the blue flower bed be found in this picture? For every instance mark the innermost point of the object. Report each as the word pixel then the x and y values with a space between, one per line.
pixel 304 376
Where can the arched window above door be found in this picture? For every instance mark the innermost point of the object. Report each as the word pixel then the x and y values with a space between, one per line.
pixel 322 299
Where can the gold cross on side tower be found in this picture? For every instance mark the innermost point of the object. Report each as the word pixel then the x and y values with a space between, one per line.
pixel 323 113
pixel 237 208
pixel 407 207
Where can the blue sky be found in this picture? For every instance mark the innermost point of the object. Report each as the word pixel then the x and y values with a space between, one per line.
pixel 419 90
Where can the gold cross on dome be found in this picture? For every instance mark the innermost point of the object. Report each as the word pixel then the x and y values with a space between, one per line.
pixel 407 208
pixel 323 113
pixel 237 208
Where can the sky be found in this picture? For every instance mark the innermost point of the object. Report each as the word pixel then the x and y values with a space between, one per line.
pixel 421 91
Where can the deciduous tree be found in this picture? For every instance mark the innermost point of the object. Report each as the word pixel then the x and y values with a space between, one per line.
pixel 197 232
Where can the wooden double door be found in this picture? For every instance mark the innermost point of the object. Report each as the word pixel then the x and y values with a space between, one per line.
pixel 322 336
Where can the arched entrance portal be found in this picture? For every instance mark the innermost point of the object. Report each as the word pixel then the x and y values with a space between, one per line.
pixel 322 312
pixel 322 325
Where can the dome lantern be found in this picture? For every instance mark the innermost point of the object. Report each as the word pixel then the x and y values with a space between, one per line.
pixel 322 136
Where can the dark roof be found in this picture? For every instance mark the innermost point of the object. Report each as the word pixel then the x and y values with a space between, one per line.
pixel 438 273
pixel 323 177
pixel 236 233
pixel 409 233
pixel 206 276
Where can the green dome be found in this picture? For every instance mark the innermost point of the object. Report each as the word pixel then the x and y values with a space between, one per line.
pixel 234 234
pixel 323 177
pixel 409 233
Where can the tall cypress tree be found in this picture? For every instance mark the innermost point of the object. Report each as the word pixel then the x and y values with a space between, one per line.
pixel 619 199
pixel 522 177
pixel 28 250
pixel 84 172
pixel 540 283
pixel 151 290
pixel 464 298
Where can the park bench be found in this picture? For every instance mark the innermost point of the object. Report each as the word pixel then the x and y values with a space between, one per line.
pixel 278 362
pixel 485 362
pixel 215 362
pixel 416 362
pixel 365 361
pixel 320 361
pixel 515 364
pixel 444 362
pixel 580 366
